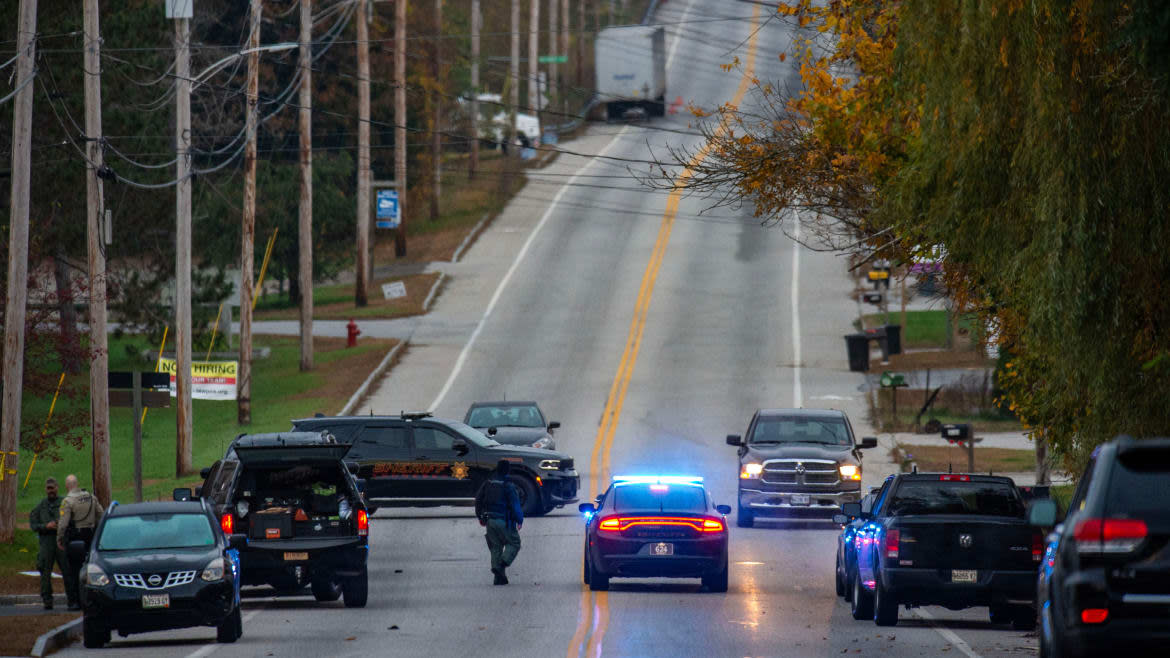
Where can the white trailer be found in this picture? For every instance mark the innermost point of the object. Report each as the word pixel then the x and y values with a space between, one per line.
pixel 631 69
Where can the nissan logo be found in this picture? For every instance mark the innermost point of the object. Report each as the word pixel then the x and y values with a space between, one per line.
pixel 965 540
pixel 154 580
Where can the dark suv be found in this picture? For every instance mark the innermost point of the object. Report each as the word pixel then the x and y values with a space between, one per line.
pixel 415 459
pixel 797 463
pixel 302 512
pixel 159 566
pixel 1104 582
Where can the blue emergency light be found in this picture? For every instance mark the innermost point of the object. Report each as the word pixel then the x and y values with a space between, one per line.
pixel 657 479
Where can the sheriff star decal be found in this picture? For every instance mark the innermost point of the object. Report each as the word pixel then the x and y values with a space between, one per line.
pixel 459 471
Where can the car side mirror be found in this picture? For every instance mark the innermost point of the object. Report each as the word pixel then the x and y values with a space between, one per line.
pixel 851 510
pixel 460 447
pixel 181 493
pixel 556 424
pixel 868 442
pixel 586 508
pixel 75 551
pixel 840 519
pixel 734 440
pixel 1042 513
pixel 723 509
pixel 238 542
pixel 204 472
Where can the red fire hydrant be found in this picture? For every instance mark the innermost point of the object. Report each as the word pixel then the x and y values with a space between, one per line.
pixel 351 333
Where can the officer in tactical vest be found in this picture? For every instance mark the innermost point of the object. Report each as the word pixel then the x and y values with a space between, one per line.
pixel 43 521
pixel 497 505
pixel 80 513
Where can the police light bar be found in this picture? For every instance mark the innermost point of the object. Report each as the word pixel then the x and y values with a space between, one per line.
pixel 657 479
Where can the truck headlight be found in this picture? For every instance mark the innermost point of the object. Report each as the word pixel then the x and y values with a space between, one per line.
pixel 849 472
pixel 550 464
pixel 543 442
pixel 751 471
pixel 95 577
pixel 214 570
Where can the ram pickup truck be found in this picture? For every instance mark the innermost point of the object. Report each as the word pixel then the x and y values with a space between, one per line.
pixel 954 540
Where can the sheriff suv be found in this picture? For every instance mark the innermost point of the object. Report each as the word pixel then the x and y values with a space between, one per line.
pixel 414 459
pixel 797 463
pixel 301 510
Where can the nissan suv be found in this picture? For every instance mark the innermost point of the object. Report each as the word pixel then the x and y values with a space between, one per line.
pixel 797 463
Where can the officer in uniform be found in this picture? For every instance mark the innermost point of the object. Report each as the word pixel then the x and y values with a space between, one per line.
pixel 43 521
pixel 497 505
pixel 80 513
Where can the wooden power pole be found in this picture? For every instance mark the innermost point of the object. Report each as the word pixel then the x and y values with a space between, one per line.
pixel 553 49
pixel 476 19
pixel 362 264
pixel 564 50
pixel 183 433
pixel 13 374
pixel 99 397
pixel 305 226
pixel 437 111
pixel 248 228
pixel 400 123
pixel 534 59
pixel 580 44
pixel 514 78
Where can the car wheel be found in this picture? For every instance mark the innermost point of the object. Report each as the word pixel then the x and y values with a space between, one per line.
pixel 838 583
pixel 848 586
pixel 530 500
pixel 744 518
pixel 326 590
pixel 231 628
pixel 93 635
pixel 598 581
pixel 885 605
pixel 356 590
pixel 585 566
pixel 717 582
pixel 861 606
pixel 1023 618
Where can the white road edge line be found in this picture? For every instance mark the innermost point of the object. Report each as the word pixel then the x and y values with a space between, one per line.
pixel 431 294
pixel 508 275
pixel 208 649
pixel 947 634
pixel 797 393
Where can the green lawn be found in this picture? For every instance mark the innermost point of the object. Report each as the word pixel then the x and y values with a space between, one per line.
pixel 923 328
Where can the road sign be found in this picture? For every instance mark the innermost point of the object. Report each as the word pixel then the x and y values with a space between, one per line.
pixel 876 275
pixel 553 59
pixel 394 289
pixel 387 215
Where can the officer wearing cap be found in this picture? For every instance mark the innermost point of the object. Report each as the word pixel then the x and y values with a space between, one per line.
pixel 43 521
pixel 497 505
pixel 80 513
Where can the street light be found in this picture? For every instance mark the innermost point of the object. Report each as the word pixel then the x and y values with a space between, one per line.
pixel 216 67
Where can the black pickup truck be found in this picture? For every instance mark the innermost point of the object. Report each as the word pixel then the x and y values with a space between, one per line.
pixel 954 540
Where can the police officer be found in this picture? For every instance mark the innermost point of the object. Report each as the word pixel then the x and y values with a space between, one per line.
pixel 43 521
pixel 80 513
pixel 497 505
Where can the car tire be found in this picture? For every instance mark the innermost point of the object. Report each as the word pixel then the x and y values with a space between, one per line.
pixel 885 605
pixel 93 635
pixel 530 500
pixel 744 518
pixel 861 604
pixel 1023 618
pixel 325 590
pixel 838 583
pixel 848 586
pixel 231 628
pixel 356 590
pixel 717 582
pixel 585 566
pixel 598 581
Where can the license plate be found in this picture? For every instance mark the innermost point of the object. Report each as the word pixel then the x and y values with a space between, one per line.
pixel 153 601
pixel 964 576
pixel 292 557
pixel 798 499
pixel 662 548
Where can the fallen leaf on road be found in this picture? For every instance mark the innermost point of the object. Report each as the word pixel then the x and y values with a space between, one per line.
pixel 351 638
pixel 393 628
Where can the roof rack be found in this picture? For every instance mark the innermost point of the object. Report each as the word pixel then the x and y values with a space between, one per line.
pixel 414 415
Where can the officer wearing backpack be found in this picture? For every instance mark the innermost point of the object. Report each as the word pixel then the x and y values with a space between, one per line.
pixel 497 506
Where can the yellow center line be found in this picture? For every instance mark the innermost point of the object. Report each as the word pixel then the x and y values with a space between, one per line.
pixel 594 618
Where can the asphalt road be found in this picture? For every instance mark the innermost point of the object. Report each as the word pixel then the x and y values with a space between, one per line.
pixel 650 330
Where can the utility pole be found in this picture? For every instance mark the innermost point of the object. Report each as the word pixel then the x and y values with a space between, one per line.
pixel 17 267
pixel 305 227
pixel 362 266
pixel 533 60
pixel 553 49
pixel 183 459
pixel 248 229
pixel 580 44
pixel 437 109
pixel 400 123
pixel 99 397
pixel 476 19
pixel 514 78
pixel 564 50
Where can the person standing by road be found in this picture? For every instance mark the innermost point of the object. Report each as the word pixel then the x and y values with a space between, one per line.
pixel 43 521
pixel 80 513
pixel 497 506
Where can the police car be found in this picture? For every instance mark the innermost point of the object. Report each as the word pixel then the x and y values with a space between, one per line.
pixel 655 527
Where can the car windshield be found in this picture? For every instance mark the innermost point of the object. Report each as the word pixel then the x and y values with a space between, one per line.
pixel 506 415
pixel 798 429
pixel 659 498
pixel 156 531
pixel 956 497
pixel 473 435
pixel 1140 485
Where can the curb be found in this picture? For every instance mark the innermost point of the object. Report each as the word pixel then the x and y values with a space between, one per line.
pixel 57 639
pixel 347 410
pixel 29 599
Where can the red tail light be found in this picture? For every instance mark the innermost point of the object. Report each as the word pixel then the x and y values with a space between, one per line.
pixel 955 478
pixel 893 538
pixel 1094 615
pixel 1037 547
pixel 612 523
pixel 1109 535
pixel 712 525
pixel 363 522
pixel 228 523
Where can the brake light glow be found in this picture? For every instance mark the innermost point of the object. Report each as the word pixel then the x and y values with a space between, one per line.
pixel 712 525
pixel 1037 546
pixel 621 523
pixel 228 523
pixel 612 523
pixel 363 523
pixel 893 538
pixel 1109 535
pixel 954 478
pixel 1094 615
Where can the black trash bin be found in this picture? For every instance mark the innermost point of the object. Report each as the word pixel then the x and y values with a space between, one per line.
pixel 894 338
pixel 857 345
